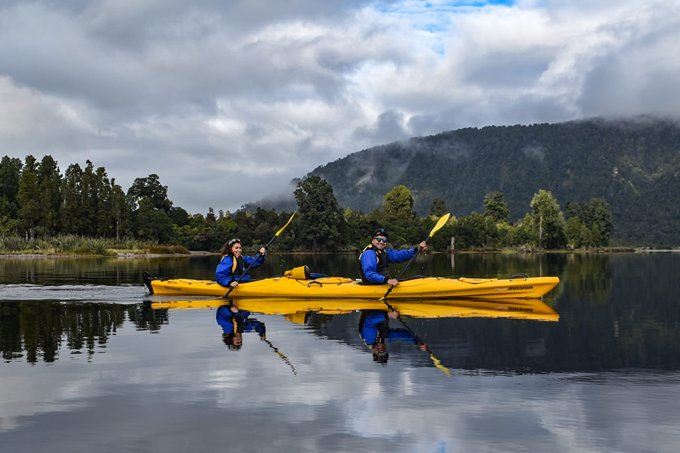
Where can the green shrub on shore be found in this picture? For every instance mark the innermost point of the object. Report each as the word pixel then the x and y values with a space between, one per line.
pixel 80 245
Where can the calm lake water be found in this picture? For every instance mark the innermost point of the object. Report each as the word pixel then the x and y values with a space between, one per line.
pixel 88 365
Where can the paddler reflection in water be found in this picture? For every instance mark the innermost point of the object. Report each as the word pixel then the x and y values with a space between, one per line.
pixel 376 258
pixel 374 329
pixel 234 323
pixel 232 266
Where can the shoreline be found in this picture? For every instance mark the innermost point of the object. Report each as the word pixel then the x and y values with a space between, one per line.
pixel 200 253
pixel 114 255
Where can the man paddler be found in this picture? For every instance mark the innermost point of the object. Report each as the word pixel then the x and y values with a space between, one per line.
pixel 376 258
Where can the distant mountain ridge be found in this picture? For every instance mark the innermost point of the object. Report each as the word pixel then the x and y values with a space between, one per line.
pixel 634 164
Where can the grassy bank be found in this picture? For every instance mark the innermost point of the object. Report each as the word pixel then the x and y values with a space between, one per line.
pixel 79 245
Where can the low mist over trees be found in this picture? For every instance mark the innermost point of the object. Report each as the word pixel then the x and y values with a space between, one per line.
pixel 633 164
pixel 576 185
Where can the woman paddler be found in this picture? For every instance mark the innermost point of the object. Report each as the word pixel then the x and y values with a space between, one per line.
pixel 232 266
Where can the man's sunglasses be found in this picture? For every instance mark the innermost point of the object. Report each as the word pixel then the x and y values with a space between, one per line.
pixel 380 239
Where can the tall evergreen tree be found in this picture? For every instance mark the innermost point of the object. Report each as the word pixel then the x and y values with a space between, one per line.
pixel 399 216
pixel 71 211
pixel 548 220
pixel 496 207
pixel 319 219
pixel 121 211
pixel 103 214
pixel 398 204
pixel 49 188
pixel 89 200
pixel 30 208
pixel 10 172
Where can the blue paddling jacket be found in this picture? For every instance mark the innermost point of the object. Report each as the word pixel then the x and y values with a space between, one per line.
pixel 238 322
pixel 374 262
pixel 374 328
pixel 231 268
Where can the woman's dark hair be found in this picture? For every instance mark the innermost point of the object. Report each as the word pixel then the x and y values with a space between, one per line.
pixel 226 248
pixel 228 340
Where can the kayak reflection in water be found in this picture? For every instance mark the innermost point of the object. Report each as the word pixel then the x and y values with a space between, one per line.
pixel 375 331
pixel 234 322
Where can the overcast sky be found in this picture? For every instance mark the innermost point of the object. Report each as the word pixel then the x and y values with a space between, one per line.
pixel 227 101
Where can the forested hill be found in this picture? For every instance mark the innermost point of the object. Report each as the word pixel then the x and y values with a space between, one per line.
pixel 632 164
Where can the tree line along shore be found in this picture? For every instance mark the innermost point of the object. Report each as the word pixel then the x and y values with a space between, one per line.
pixel 85 212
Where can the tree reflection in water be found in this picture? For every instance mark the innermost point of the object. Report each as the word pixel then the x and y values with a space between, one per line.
pixel 38 329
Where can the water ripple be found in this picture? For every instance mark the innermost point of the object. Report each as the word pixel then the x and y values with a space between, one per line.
pixel 93 293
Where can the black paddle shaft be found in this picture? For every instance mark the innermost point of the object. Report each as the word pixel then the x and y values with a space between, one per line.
pixel 231 288
pixel 389 290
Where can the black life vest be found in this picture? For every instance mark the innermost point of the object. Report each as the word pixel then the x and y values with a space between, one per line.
pixel 237 266
pixel 238 321
pixel 382 265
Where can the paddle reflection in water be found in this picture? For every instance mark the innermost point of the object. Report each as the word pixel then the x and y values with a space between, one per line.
pixel 374 328
pixel 394 314
pixel 375 332
pixel 235 322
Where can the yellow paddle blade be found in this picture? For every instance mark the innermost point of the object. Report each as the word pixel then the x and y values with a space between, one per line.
pixel 284 227
pixel 440 223
pixel 438 364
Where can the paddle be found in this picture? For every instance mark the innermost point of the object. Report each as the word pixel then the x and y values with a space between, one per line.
pixel 277 234
pixel 437 363
pixel 440 223
pixel 281 355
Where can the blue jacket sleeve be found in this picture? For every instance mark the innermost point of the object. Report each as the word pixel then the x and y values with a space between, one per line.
pixel 401 335
pixel 397 256
pixel 253 325
pixel 256 260
pixel 369 264
pixel 223 271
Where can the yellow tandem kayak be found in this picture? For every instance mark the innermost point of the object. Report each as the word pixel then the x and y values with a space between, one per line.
pixel 532 309
pixel 292 285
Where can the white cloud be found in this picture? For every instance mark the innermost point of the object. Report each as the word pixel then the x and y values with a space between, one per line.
pixel 227 102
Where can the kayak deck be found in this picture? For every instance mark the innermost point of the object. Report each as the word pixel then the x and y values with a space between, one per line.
pixel 347 288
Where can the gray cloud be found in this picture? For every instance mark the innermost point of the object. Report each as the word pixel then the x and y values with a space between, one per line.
pixel 228 101
pixel 388 127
